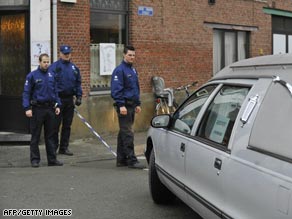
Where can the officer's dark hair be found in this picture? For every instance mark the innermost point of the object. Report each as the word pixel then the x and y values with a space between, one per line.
pixel 43 55
pixel 127 48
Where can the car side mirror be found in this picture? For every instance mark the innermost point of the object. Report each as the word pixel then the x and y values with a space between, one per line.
pixel 161 121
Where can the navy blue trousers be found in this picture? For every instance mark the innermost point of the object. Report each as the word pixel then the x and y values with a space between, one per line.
pixel 65 118
pixel 42 117
pixel 125 146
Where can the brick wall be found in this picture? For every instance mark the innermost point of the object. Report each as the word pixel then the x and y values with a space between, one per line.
pixel 74 30
pixel 175 43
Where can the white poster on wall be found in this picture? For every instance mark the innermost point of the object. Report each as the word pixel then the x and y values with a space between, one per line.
pixel 107 54
pixel 39 47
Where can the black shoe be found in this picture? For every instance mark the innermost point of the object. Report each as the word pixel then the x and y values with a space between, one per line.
pixel 56 163
pixel 121 164
pixel 35 165
pixel 136 166
pixel 66 152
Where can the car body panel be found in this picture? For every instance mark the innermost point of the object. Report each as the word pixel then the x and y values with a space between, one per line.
pixel 252 176
pixel 170 159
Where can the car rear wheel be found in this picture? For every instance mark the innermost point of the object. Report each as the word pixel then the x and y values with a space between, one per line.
pixel 160 194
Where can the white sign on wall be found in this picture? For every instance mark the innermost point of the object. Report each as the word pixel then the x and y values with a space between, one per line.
pixel 145 11
pixel 37 48
pixel 107 58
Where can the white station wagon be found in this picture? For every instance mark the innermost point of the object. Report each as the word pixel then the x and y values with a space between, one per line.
pixel 227 150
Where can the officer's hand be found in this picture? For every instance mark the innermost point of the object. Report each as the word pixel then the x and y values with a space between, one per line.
pixel 78 101
pixel 123 110
pixel 57 111
pixel 28 113
pixel 138 109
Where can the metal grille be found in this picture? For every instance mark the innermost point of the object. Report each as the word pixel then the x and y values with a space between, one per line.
pixel 120 5
pixel 14 2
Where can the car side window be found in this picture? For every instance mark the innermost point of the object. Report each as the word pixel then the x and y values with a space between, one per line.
pixel 185 117
pixel 219 118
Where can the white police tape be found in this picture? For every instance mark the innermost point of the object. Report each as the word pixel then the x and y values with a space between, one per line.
pixel 94 132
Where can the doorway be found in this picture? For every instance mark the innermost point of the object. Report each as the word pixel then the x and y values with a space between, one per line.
pixel 14 66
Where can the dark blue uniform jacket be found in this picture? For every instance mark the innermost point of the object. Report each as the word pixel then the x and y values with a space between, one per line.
pixel 68 78
pixel 125 85
pixel 40 87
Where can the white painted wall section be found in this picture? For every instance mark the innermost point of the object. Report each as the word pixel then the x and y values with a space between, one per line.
pixel 40 29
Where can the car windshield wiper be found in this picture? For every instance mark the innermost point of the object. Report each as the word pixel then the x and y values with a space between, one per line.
pixel 282 82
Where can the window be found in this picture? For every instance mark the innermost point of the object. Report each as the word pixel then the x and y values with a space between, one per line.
pixel 221 114
pixel 108 35
pixel 282 35
pixel 229 46
pixel 185 116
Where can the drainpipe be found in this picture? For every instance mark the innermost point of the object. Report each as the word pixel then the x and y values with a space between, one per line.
pixel 55 38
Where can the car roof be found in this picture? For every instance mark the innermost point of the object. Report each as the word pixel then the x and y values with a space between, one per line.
pixel 259 67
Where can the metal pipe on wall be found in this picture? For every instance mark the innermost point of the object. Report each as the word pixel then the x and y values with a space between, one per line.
pixel 55 36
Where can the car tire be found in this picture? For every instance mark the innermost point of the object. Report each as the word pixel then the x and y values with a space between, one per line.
pixel 159 192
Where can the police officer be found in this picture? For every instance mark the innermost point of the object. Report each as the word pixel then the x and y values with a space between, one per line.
pixel 126 93
pixel 41 104
pixel 68 86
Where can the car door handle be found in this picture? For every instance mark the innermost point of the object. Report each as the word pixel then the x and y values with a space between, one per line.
pixel 182 147
pixel 218 163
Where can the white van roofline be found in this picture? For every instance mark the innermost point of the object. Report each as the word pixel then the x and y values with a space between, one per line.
pixel 259 67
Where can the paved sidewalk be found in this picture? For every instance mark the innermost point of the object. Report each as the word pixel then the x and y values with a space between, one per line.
pixel 85 150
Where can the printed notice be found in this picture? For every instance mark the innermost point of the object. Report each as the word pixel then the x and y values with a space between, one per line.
pixel 107 58
pixel 219 129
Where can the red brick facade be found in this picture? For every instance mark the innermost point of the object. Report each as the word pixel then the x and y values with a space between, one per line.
pixel 175 42
pixel 74 29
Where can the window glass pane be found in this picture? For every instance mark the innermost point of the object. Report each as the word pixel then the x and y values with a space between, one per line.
pixel 290 44
pixel 97 80
pixel 217 51
pixel 241 45
pixel 113 5
pixel 13 2
pixel 12 50
pixel 279 44
pixel 186 115
pixel 230 47
pixel 281 24
pixel 220 116
pixel 105 28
